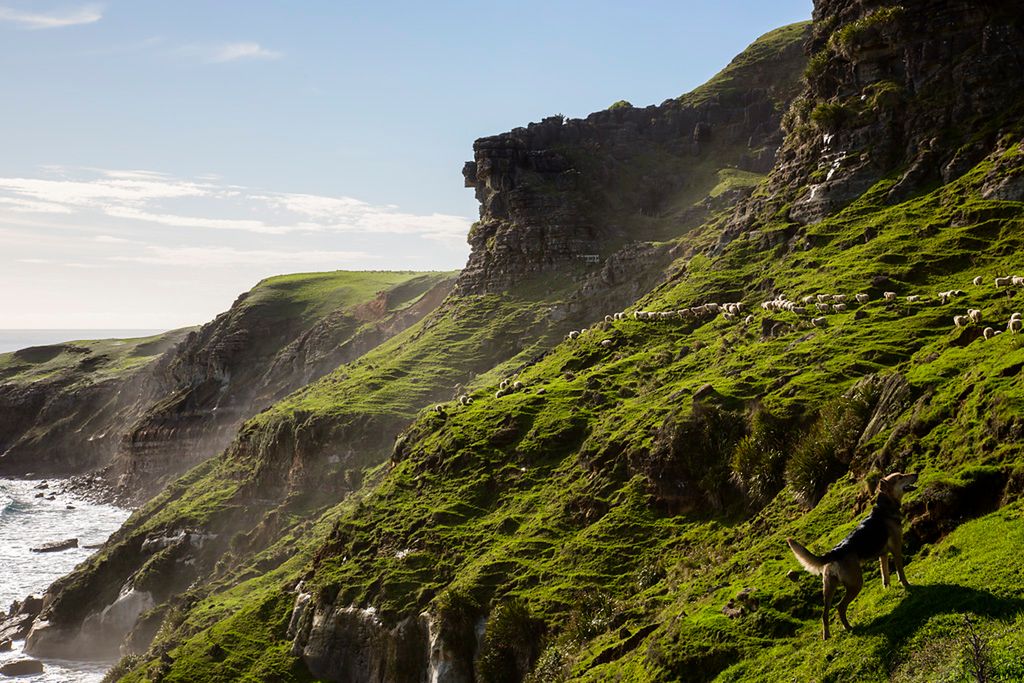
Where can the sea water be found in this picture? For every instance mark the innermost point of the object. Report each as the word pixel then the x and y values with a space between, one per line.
pixel 27 521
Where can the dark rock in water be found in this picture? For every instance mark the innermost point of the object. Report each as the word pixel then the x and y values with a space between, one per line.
pixel 43 485
pixel 69 507
pixel 5 645
pixel 22 667
pixel 32 605
pixel 56 546
pixel 40 494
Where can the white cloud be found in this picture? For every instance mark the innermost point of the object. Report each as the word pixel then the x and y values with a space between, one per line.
pixel 86 14
pixel 230 52
pixel 146 197
pixel 227 256
pixel 110 239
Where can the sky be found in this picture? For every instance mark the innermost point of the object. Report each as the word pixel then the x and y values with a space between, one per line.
pixel 159 158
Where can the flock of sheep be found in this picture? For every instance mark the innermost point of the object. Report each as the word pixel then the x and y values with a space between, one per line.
pixel 808 305
pixel 818 304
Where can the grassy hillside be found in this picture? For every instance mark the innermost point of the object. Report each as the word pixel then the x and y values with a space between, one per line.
pixel 608 515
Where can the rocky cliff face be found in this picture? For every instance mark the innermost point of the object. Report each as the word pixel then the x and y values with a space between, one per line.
pixel 917 89
pixel 64 406
pixel 561 196
pixel 244 360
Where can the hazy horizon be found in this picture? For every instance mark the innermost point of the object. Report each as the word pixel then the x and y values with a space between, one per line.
pixel 170 156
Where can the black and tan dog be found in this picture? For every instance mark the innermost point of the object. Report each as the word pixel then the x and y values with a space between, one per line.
pixel 880 535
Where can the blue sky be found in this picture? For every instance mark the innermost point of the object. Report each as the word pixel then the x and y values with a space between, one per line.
pixel 161 157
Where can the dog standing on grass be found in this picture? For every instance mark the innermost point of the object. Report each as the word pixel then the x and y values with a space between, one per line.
pixel 880 535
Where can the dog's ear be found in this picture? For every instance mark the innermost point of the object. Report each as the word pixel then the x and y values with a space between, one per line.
pixel 885 483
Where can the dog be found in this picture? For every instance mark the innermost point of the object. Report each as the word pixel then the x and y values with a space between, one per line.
pixel 879 535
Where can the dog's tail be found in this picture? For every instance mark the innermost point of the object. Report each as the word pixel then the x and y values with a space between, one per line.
pixel 810 561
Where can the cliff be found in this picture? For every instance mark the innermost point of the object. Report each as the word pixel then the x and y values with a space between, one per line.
pixel 614 504
pixel 560 196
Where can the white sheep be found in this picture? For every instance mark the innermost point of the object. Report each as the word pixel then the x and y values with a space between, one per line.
pixel 988 333
pixel 799 310
pixel 608 318
pixel 713 307
pixel 913 298
pixel 1015 316
pixel 575 334
pixel 1015 325
pixel 819 322
pixel 961 320
pixel 824 308
pixel 727 315
pixel 439 409
pixel 975 315
pixel 1017 281
pixel 638 315
pixel 1003 281
pixel 465 400
pixel 841 298
pixel 516 386
pixel 889 296
pixel 503 384
pixel 607 343
pixel 809 299
pixel 839 307
pixel 978 280
pixel 749 319
pixel 862 298
pixel 822 298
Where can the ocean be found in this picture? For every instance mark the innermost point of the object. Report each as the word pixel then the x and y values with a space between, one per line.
pixel 27 521
pixel 12 340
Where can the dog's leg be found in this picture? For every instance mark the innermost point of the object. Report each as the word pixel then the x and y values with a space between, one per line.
pixel 853 580
pixel 897 561
pixel 883 562
pixel 828 589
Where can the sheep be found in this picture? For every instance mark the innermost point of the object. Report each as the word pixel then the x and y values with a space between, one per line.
pixel 824 308
pixel 913 298
pixel 1017 281
pixel 799 310
pixel 607 343
pixel 608 319
pixel 637 315
pixel 819 322
pixel 439 409
pixel 841 298
pixel 978 280
pixel 713 307
pixel 809 299
pixel 749 319
pixel 1015 316
pixel 575 334
pixel 862 298
pixel 822 298
pixel 727 315
pixel 465 400
pixel 839 307
pixel 1003 281
pixel 503 384
pixel 975 315
pixel 667 315
pixel 988 333
pixel 1015 325
pixel 961 320
pixel 517 386
pixel 499 393
pixel 889 296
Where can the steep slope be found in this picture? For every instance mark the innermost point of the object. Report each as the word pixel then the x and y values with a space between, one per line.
pixel 225 544
pixel 281 335
pixel 61 403
pixel 623 514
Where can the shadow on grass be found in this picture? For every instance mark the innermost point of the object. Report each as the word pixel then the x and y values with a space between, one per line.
pixel 923 602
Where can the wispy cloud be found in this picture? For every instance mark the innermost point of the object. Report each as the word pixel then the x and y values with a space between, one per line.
pixel 85 14
pixel 230 52
pixel 145 197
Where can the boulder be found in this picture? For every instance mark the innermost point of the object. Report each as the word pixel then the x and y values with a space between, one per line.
pixel 56 546
pixel 6 644
pixel 22 667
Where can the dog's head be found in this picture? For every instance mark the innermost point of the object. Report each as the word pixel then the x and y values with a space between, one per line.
pixel 896 484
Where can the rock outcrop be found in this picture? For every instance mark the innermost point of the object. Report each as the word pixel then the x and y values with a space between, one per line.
pixel 561 196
